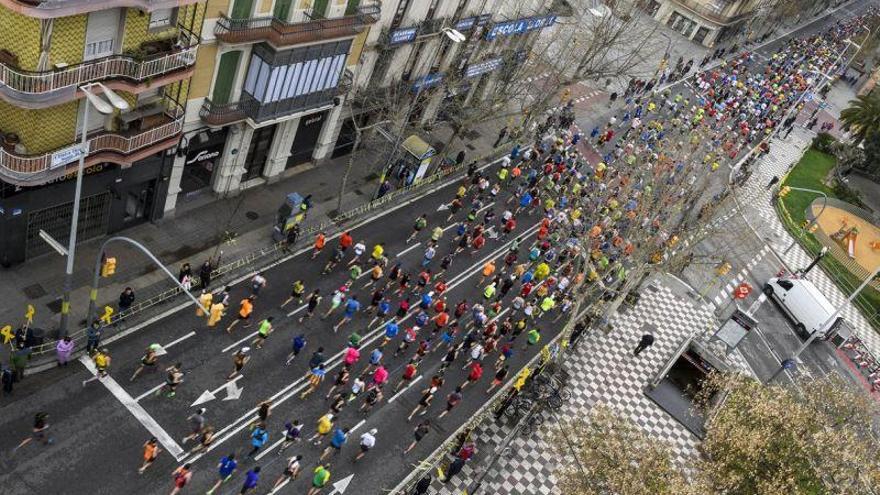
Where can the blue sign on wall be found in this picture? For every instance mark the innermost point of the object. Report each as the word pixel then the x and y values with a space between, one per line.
pixel 427 81
pixel 483 67
pixel 402 35
pixel 470 22
pixel 520 26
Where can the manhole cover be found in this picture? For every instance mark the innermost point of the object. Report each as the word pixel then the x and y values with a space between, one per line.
pixel 54 306
pixel 35 291
pixel 252 215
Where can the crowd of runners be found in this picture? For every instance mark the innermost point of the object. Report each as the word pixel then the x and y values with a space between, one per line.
pixel 541 227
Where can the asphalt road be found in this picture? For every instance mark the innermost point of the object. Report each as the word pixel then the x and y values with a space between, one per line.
pixel 96 434
pixel 98 439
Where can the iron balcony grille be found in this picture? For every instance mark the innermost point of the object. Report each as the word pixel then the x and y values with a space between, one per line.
pixel 284 33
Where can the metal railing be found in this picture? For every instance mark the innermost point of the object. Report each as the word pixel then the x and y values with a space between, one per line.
pixel 714 15
pixel 284 33
pixel 22 83
pixel 29 168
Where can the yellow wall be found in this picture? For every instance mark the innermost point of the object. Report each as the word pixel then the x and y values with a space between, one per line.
pixel 68 39
pixel 137 30
pixel 56 125
pixel 21 36
pixel 204 72
pixel 264 7
pixel 216 7
pixel 357 46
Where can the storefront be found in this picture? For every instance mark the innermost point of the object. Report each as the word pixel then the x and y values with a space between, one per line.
pixel 258 152
pixel 306 139
pixel 113 199
pixel 203 153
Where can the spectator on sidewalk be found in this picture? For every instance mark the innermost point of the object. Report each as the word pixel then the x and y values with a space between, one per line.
pixel 126 299
pixel 185 273
pixel 63 350
pixel 93 336
pixel 646 341
pixel 501 135
pixel 205 274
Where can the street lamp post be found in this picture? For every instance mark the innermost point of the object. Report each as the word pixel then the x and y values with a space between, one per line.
pixel 815 261
pixel 824 328
pixel 104 107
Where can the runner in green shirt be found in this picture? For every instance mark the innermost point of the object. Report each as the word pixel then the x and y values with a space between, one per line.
pixel 534 336
pixel 263 332
pixel 319 481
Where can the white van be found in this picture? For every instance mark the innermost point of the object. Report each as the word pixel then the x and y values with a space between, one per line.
pixel 804 304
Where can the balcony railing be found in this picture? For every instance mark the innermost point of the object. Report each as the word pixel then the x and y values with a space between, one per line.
pixel 33 88
pixel 248 108
pixel 48 9
pixel 283 33
pixel 28 170
pixel 714 15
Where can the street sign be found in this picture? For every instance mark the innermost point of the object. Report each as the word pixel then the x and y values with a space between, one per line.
pixel 735 329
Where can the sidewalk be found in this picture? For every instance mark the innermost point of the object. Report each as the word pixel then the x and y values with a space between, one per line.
pixel 234 226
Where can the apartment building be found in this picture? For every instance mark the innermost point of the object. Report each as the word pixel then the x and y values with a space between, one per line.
pixel 144 50
pixel 410 56
pixel 269 84
pixel 707 22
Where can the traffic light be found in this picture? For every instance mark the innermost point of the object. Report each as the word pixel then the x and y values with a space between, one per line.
pixel 723 268
pixel 108 267
pixel 783 191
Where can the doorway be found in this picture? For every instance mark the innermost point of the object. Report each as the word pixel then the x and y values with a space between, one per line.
pixel 258 152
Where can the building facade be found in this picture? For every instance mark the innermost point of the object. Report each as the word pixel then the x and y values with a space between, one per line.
pixel 269 84
pixel 146 52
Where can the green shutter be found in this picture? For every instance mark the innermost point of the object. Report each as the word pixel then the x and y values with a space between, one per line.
pixel 225 77
pixel 352 6
pixel 319 8
pixel 282 9
pixel 242 9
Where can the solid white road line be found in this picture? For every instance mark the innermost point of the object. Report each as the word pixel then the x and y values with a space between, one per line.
pixel 297 310
pixel 177 341
pixel 404 389
pixel 408 249
pixel 136 410
pixel 355 427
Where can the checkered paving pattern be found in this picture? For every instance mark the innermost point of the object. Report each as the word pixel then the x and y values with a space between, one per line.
pixel 603 371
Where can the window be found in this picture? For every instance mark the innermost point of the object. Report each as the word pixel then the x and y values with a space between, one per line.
pixel 161 18
pixel 785 284
pixel 398 16
pixel 97 49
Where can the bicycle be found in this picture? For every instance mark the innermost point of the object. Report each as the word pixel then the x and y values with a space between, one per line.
pixel 532 423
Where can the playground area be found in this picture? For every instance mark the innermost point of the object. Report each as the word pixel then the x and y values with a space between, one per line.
pixel 851 237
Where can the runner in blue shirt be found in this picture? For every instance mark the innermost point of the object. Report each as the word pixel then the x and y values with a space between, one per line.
pixel 391 331
pixel 225 469
pixel 336 442
pixel 250 481
pixel 352 306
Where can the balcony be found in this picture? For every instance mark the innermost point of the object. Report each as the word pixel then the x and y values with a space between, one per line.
pixel 149 134
pixel 30 89
pixel 50 9
pixel 710 14
pixel 283 33
pixel 249 108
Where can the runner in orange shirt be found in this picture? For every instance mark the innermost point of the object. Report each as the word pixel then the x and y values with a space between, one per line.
pixel 320 241
pixel 244 313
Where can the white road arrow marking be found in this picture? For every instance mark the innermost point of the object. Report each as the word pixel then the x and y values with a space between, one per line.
pixel 443 207
pixel 206 396
pixel 209 395
pixel 342 485
pixel 233 391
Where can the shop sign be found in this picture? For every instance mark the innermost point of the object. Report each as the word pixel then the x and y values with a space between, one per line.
pixel 483 67
pixel 402 36
pixel 64 156
pixel 520 26
pixel 202 156
pixel 94 169
pixel 427 81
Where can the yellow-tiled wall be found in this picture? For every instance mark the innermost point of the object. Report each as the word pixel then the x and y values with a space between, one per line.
pixel 264 7
pixel 204 72
pixel 216 7
pixel 21 36
pixel 137 31
pixel 68 39
pixel 57 125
